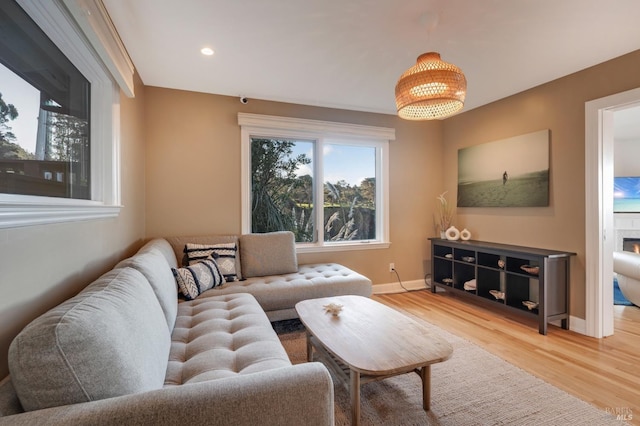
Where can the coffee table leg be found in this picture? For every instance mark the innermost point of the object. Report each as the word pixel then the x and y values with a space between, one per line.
pixel 354 390
pixel 425 375
pixel 309 348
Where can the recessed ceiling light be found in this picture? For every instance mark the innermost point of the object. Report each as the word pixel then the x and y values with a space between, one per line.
pixel 206 51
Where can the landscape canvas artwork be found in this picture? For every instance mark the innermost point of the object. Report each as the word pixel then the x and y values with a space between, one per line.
pixel 511 172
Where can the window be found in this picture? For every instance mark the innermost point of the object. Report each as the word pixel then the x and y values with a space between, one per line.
pixel 292 166
pixel 44 114
pixel 59 154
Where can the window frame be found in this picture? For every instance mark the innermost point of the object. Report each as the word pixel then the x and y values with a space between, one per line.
pixel 59 20
pixel 256 125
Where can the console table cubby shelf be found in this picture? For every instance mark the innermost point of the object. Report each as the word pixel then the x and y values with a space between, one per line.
pixel 493 274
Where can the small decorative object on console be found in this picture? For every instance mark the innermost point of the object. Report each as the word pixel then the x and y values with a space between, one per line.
pixel 452 233
pixel 501 263
pixel 470 285
pixel 497 294
pixel 333 308
pixel 444 215
pixel 469 259
pixel 530 269
pixel 529 304
pixel 465 235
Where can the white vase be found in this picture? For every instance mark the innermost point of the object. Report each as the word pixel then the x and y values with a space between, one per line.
pixel 443 235
pixel 465 235
pixel 452 233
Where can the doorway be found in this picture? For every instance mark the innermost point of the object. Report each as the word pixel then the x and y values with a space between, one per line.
pixel 599 231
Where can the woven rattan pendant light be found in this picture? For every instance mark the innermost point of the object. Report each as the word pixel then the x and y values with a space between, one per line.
pixel 431 89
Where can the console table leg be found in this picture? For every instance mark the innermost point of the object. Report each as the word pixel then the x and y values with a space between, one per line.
pixel 425 375
pixel 354 390
pixel 542 327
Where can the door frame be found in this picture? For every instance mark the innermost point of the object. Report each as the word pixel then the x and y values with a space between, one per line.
pixel 599 226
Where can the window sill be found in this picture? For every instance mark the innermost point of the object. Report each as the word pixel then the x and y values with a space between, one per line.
pixel 16 214
pixel 311 248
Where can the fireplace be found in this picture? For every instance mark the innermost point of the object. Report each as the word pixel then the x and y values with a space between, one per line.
pixel 627 227
pixel 631 244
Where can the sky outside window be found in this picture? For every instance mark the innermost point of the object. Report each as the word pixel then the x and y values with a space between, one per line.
pixel 350 163
pixel 26 99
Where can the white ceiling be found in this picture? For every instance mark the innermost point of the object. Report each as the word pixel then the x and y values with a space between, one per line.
pixel 349 53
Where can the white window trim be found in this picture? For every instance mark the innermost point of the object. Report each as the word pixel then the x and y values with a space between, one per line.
pixel 266 125
pixel 96 25
pixel 17 210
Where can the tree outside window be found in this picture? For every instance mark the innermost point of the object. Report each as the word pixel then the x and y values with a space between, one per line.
pixel 281 199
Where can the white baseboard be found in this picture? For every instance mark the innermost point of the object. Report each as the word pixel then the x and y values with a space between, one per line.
pixel 578 325
pixel 397 288
pixel 575 324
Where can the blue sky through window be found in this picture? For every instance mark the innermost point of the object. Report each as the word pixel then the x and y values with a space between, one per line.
pixel 341 162
pixel 26 99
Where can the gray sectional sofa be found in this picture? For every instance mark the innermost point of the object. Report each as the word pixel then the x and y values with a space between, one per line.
pixel 128 350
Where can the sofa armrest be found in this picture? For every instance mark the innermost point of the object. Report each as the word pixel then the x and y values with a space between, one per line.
pixel 627 263
pixel 300 394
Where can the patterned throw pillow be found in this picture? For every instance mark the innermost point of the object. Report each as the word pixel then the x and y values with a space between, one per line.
pixel 226 256
pixel 195 279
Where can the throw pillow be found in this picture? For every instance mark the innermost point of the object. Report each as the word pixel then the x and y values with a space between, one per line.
pixel 225 252
pixel 272 253
pixel 195 279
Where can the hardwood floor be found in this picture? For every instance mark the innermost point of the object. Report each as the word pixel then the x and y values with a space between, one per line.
pixel 604 372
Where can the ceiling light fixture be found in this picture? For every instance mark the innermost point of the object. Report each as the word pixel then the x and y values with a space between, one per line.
pixel 206 51
pixel 431 89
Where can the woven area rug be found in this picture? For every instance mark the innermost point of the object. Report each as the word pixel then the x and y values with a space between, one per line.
pixel 473 387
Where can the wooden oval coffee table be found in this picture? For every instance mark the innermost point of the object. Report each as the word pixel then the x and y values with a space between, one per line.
pixel 369 341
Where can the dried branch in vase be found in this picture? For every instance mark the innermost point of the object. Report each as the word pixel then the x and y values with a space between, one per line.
pixel 444 213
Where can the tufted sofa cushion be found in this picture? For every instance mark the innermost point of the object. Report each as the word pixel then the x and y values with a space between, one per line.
pixel 222 336
pixel 282 292
pixel 109 340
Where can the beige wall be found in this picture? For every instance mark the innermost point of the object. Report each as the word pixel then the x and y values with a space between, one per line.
pixel 560 107
pixel 44 265
pixel 193 174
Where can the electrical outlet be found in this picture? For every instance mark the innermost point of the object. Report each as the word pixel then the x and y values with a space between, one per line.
pixel 392 267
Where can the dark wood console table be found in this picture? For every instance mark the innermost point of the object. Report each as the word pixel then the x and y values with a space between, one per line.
pixel 525 280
